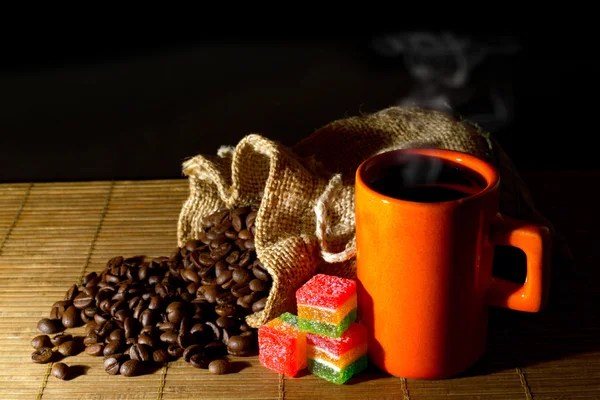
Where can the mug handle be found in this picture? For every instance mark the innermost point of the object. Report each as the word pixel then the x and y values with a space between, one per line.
pixel 535 241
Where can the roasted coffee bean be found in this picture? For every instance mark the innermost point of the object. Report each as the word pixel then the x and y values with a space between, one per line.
pixel 231 235
pixel 61 338
pixel 69 348
pixel 220 267
pixel 71 317
pixel 50 326
pixel 160 356
pixel 191 350
pixel 148 317
pixel 191 245
pixel 141 307
pixel 210 292
pixel 228 333
pixel 95 349
pixel 55 313
pixel 249 244
pixel 174 350
pixel 221 251
pixel 259 305
pixel 261 273
pixel 225 298
pixel 154 279
pixel 112 278
pixel 71 293
pixel 90 311
pixel 92 283
pixel 241 275
pixel 244 234
pixel 140 352
pixel 224 277
pixel 175 311
pixel 245 258
pixel 130 327
pixel 112 364
pixel 225 310
pixel 41 341
pixel 88 278
pixel 116 306
pixel 166 326
pixel 112 347
pixel 251 297
pixel 225 322
pixel 215 329
pixel 190 275
pixel 131 368
pixel 156 302
pixel 148 340
pixel 240 302
pixel 169 337
pixel 240 290
pixel 130 341
pixel 60 371
pixel 117 335
pixel 239 345
pixel 151 330
pixel 92 338
pixel 90 327
pixel 257 285
pixel 236 222
pixel 219 367
pixel 101 318
pixel 122 315
pixel 92 291
pixel 106 328
pixel 199 360
pixel 185 339
pixel 43 355
pixel 105 305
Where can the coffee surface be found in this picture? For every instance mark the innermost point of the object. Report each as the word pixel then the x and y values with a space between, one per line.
pixel 425 179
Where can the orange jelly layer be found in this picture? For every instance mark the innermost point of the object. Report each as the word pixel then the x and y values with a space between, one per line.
pixel 341 362
pixel 326 315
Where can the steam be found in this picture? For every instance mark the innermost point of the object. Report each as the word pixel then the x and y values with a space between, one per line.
pixel 421 170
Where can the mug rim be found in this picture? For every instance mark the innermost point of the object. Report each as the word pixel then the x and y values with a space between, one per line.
pixel 480 166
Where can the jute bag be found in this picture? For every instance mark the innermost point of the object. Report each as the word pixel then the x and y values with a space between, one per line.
pixel 305 223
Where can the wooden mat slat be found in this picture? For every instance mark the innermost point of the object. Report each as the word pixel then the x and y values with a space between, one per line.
pixel 52 233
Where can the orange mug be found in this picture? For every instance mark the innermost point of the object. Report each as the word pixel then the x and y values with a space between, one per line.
pixel 427 221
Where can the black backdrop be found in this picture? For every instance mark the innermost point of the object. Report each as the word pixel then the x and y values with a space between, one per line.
pixel 135 109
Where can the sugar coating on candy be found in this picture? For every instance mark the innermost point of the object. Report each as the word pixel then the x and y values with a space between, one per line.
pixel 282 346
pixel 327 315
pixel 326 291
pixel 355 336
pixel 331 330
pixel 338 361
pixel 336 375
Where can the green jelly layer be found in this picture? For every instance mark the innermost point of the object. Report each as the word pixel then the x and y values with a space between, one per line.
pixel 321 370
pixel 325 329
pixel 290 319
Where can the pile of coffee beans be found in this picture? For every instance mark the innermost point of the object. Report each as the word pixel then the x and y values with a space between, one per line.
pixel 192 304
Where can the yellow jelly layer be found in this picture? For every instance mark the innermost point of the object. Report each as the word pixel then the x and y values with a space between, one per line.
pixel 326 315
pixel 340 362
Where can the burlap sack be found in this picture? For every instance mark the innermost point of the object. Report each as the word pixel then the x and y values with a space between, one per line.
pixel 305 223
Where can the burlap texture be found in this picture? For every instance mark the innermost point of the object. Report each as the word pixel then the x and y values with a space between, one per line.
pixel 320 170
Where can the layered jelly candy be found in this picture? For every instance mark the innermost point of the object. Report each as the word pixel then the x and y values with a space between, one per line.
pixel 282 346
pixel 326 305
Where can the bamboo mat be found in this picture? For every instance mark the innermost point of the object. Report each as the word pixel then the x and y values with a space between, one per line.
pixel 52 234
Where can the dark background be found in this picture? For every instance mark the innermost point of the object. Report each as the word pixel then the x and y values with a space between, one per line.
pixel 135 109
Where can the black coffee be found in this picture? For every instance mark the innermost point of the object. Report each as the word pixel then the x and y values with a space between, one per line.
pixel 425 179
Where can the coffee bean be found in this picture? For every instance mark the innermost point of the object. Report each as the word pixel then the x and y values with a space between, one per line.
pixel 259 305
pixel 69 348
pixel 215 329
pixel 174 350
pixel 112 365
pixel 91 338
pixel 160 356
pixel 90 311
pixel 240 290
pixel 89 277
pixel 219 367
pixel 101 318
pixel 190 351
pixel 199 360
pixel 130 327
pixel 50 326
pixel 245 258
pixel 60 371
pixel 261 273
pixel 225 310
pixel 225 322
pixel 148 317
pixel 239 345
pixel 175 311
pixel 83 300
pixel 131 368
pixel 169 337
pixel 95 349
pixel 112 347
pixel 251 297
pixel 148 340
pixel 90 327
pixel 117 335
pixel 140 352
pixel 244 234
pixel 43 355
pixel 71 293
pixel 55 313
pixel 71 317
pixel 257 285
pixel 41 341
pixel 116 306
pixel 122 314
pixel 184 339
pixel 189 275
pixel 215 349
